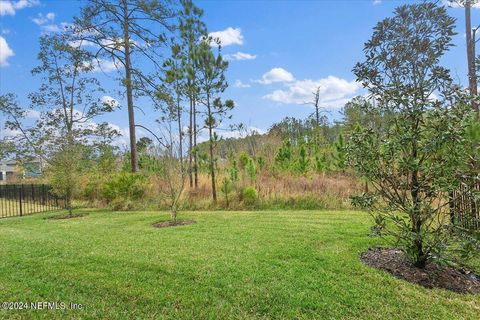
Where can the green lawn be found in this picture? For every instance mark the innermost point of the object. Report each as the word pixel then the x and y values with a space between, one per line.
pixel 248 265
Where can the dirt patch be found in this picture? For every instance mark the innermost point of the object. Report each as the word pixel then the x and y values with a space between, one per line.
pixel 433 276
pixel 169 223
pixel 68 216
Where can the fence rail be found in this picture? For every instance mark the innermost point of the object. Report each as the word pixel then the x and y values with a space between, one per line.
pixel 22 199
pixel 465 203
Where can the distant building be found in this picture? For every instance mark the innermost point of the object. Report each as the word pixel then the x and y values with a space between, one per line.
pixel 7 170
pixel 11 169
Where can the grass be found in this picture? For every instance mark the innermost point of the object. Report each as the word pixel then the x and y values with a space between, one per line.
pixel 235 265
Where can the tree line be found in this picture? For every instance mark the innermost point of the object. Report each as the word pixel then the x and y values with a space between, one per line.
pixel 162 52
pixel 412 138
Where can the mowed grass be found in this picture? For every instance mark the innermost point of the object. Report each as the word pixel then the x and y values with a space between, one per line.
pixel 229 265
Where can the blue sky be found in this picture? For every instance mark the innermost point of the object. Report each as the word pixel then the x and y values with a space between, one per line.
pixel 278 50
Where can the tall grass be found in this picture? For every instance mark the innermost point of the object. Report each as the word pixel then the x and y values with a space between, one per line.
pixel 275 191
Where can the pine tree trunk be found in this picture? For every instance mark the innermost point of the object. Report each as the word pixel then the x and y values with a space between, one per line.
pixel 180 139
pixel 128 84
pixel 195 155
pixel 472 76
pixel 190 145
pixel 212 162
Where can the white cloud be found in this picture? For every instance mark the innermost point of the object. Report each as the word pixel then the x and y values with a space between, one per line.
pixel 9 7
pixel 6 8
pixel 110 101
pixel 33 114
pixel 55 28
pixel 376 2
pixel 109 43
pixel 236 134
pixel 81 43
pixel 52 28
pixel 226 134
pixel 228 36
pixel 5 52
pixel 456 4
pixel 240 56
pixel 276 75
pixel 20 4
pixel 104 66
pixel 42 19
pixel 334 92
pixel 240 84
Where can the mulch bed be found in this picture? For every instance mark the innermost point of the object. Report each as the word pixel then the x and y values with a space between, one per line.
pixel 68 216
pixel 433 276
pixel 169 223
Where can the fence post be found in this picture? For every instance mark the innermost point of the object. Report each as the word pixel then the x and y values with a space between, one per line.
pixel 43 194
pixel 20 194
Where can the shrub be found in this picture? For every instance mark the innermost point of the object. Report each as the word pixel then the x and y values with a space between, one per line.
pixel 126 186
pixel 250 196
pixel 414 156
pixel 243 159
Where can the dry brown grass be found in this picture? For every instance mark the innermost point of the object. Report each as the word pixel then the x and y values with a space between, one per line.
pixel 315 191
pixel 275 191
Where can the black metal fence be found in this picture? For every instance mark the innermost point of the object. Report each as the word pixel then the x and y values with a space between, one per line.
pixel 465 203
pixel 23 199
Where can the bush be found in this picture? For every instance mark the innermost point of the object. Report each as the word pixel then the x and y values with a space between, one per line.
pixel 243 159
pixel 125 186
pixel 250 196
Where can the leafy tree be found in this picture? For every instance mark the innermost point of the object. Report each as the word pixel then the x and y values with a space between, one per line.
pixel 125 32
pixel 143 144
pixel 412 161
pixel 67 102
pixel 354 115
pixel 7 147
pixel 64 172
